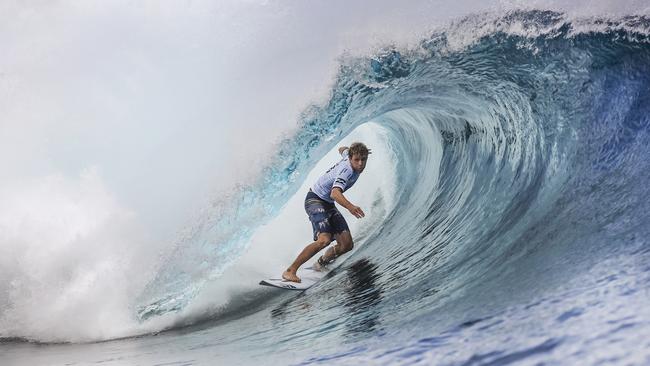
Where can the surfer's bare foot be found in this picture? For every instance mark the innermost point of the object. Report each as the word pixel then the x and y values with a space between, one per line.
pixel 290 276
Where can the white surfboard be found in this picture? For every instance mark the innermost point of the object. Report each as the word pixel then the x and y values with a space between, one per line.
pixel 308 278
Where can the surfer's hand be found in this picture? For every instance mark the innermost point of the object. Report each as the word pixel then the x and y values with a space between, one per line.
pixel 357 212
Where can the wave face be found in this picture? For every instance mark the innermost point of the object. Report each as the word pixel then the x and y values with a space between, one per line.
pixel 523 153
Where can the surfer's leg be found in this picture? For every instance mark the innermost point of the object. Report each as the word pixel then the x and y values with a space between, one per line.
pixel 319 213
pixel 341 234
pixel 324 239
pixel 344 244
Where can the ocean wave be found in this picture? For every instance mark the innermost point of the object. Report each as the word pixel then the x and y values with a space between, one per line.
pixel 512 135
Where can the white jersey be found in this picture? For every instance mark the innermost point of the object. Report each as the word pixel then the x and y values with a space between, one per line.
pixel 341 175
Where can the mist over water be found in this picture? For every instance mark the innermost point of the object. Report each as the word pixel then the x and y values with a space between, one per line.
pixel 149 184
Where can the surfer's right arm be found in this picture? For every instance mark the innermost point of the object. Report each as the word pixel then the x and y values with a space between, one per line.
pixel 337 195
pixel 342 149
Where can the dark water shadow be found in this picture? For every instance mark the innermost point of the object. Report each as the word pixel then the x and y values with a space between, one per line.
pixel 362 295
pixel 359 291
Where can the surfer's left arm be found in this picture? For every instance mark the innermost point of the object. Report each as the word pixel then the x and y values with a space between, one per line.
pixel 337 195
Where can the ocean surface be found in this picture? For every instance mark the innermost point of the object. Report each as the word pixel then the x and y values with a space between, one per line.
pixel 508 216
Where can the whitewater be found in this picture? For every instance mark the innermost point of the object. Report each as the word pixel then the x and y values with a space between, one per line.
pixel 507 218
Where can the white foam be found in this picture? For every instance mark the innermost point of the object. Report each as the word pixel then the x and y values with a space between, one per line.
pixel 70 260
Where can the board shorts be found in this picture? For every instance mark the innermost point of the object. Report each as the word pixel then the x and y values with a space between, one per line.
pixel 324 216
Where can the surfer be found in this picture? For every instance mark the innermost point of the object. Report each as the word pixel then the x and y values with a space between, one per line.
pixel 327 222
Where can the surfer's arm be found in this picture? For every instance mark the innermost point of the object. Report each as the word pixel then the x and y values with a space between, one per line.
pixel 337 195
pixel 342 149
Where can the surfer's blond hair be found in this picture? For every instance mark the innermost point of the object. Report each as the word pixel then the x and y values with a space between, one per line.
pixel 359 148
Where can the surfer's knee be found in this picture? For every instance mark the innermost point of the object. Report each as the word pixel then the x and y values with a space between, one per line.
pixel 345 244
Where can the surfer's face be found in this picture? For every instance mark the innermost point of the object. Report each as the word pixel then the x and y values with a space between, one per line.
pixel 358 162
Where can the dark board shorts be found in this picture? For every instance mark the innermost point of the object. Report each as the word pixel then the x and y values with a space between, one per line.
pixel 324 216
